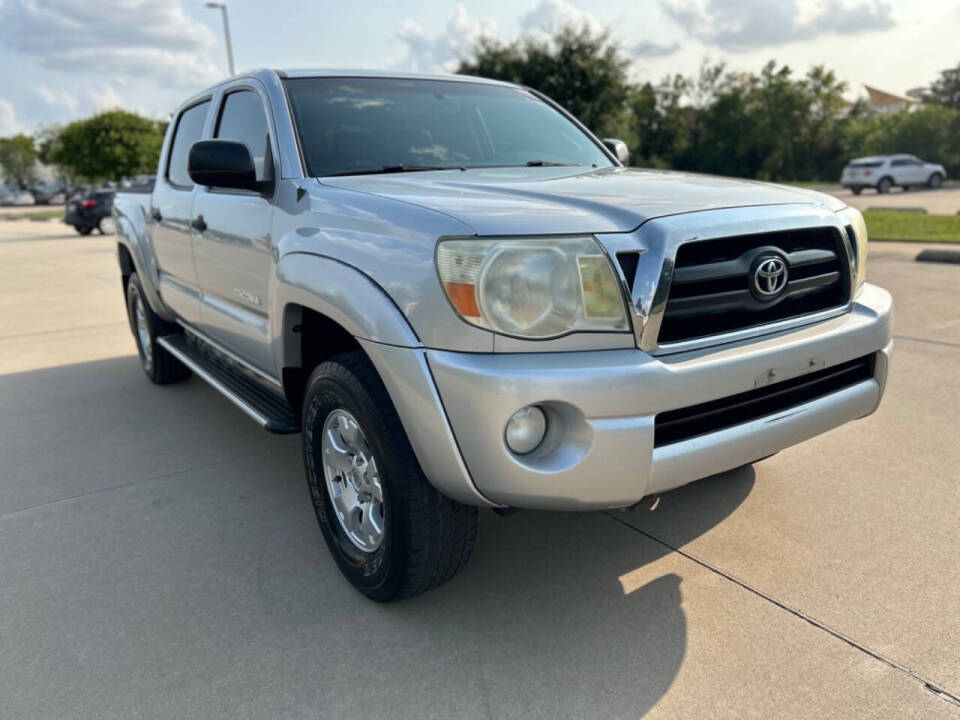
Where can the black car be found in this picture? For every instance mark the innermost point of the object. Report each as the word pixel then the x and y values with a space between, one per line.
pixel 92 211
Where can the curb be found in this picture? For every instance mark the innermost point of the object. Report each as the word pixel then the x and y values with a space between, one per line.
pixel 897 209
pixel 939 256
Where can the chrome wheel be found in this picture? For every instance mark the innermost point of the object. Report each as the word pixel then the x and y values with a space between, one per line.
pixel 143 331
pixel 353 481
pixel 107 226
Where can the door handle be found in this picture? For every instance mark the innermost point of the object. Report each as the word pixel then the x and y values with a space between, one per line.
pixel 199 224
pixel 155 214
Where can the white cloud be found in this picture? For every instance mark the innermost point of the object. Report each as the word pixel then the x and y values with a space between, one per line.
pixel 105 98
pixel 443 51
pixel 748 24
pixel 554 14
pixel 122 37
pixel 8 119
pixel 58 99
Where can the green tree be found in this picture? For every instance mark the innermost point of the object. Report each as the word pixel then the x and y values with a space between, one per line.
pixel 945 90
pixel 18 157
pixel 582 70
pixel 108 146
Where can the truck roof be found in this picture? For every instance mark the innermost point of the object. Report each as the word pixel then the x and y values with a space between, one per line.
pixel 270 76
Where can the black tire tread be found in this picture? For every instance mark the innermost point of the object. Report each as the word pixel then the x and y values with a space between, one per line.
pixel 442 532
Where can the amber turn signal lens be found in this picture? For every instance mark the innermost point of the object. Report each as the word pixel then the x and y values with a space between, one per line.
pixel 464 298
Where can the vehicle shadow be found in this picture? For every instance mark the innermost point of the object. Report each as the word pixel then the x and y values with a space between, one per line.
pixel 228 582
pixel 569 613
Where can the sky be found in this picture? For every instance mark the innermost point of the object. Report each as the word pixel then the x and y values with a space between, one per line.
pixel 64 59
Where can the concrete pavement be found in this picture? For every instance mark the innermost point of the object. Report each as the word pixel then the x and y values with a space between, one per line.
pixel 159 556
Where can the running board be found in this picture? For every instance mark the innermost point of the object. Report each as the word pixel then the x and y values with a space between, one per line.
pixel 268 409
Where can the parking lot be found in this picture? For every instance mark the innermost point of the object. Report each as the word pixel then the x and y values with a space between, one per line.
pixel 160 558
pixel 945 201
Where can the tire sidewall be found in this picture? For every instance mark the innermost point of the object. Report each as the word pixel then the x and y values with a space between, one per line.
pixel 374 574
pixel 135 291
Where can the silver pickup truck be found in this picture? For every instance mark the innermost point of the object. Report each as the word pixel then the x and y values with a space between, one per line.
pixel 461 298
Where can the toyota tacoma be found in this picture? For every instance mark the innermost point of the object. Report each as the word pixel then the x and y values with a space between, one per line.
pixel 461 298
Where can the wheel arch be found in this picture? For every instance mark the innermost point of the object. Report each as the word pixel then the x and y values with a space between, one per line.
pixel 325 307
pixel 135 255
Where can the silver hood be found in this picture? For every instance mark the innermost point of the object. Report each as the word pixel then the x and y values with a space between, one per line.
pixel 518 201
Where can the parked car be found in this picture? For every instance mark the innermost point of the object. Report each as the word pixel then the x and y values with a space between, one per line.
pixel 15 196
pixel 882 172
pixel 48 194
pixel 461 298
pixel 91 211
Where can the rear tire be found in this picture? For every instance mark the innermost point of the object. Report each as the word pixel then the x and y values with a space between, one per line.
pixel 883 187
pixel 417 538
pixel 856 190
pixel 84 230
pixel 935 181
pixel 159 365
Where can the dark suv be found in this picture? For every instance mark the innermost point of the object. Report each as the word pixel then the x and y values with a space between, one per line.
pixel 91 211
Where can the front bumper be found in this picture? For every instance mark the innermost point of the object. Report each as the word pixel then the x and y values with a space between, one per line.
pixel 603 406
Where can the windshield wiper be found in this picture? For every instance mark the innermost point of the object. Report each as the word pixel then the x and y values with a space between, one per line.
pixel 387 169
pixel 547 163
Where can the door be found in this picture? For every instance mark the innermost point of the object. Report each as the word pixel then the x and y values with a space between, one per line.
pixel 917 174
pixel 171 214
pixel 233 251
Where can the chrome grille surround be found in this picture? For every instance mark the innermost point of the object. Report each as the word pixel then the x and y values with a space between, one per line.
pixel 658 240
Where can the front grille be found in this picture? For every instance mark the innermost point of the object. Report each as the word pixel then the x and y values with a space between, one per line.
pixel 677 425
pixel 711 288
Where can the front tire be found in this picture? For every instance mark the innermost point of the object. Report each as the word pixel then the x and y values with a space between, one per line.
pixel 935 181
pixel 391 533
pixel 159 365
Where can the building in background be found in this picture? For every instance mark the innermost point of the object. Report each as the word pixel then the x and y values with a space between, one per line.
pixel 882 101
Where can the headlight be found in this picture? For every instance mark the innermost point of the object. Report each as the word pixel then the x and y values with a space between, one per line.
pixel 532 287
pixel 854 218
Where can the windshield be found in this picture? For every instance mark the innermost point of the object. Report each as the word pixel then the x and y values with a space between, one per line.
pixel 366 125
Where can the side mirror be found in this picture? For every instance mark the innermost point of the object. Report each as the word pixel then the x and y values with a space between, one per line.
pixel 619 149
pixel 224 164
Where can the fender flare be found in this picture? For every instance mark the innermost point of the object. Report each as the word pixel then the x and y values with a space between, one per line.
pixel 339 291
pixel 132 234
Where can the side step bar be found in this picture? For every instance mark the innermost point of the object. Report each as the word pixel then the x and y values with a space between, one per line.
pixel 268 409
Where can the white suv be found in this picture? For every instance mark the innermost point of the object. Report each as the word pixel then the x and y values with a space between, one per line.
pixel 884 171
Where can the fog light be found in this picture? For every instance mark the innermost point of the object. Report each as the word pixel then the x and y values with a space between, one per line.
pixel 525 430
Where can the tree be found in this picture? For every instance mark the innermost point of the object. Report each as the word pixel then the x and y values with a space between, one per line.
pixel 945 90
pixel 18 158
pixel 108 146
pixel 582 70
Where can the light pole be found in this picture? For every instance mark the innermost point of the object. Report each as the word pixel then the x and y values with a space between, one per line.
pixel 226 31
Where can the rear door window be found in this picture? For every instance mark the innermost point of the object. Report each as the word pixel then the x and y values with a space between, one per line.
pixel 189 130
